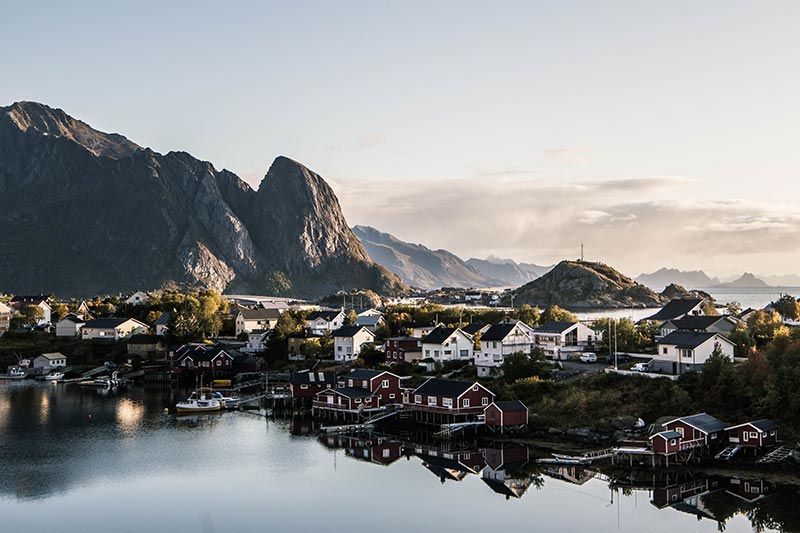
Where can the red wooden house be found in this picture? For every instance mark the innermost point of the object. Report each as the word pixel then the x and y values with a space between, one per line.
pixel 403 349
pixel 308 384
pixel 666 442
pixel 698 430
pixel 506 415
pixel 446 397
pixel 756 434
pixel 361 390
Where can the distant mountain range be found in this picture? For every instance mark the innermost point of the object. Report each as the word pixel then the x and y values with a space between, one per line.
pixel 699 279
pixel 86 212
pixel 419 266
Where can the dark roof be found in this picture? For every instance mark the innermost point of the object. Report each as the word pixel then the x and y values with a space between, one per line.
pixel 348 331
pixel 29 299
pixel 555 327
pixel 445 388
pixel 696 322
pixel 163 320
pixel 305 335
pixel 257 314
pixel 209 354
pixel 473 328
pixel 498 332
pixel 509 406
pixel 687 339
pixel 667 435
pixel 145 339
pixel 439 335
pixel 354 392
pixel 304 378
pixel 105 323
pixel 404 338
pixel 72 317
pixel 500 488
pixel 704 422
pixel 327 315
pixel 369 320
pixel 676 308
pixel 763 425
pixel 362 373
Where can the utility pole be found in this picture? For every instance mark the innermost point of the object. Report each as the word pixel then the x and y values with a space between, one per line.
pixel 581 252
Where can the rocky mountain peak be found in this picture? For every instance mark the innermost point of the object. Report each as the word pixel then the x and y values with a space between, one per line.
pixel 45 120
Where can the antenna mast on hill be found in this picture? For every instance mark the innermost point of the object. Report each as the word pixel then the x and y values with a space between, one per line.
pixel 581 252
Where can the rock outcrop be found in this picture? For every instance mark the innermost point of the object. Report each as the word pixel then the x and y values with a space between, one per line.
pixel 585 285
pixel 86 212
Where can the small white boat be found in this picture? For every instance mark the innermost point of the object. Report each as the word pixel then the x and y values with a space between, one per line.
pixel 228 402
pixel 54 376
pixel 15 373
pixel 200 401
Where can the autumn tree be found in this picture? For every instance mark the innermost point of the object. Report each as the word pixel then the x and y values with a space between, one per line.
pixel 556 314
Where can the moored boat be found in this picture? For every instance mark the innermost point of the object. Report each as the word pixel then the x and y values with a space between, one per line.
pixel 228 402
pixel 15 373
pixel 200 401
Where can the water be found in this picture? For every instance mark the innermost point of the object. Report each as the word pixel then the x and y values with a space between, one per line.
pixel 130 468
pixel 756 298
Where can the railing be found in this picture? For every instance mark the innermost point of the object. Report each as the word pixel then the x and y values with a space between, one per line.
pixel 691 444
pixel 445 410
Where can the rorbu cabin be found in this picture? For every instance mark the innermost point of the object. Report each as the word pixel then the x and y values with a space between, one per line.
pixel 698 430
pixel 506 416
pixel 757 434
pixel 666 442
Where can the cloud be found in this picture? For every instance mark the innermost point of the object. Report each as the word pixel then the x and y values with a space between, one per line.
pixel 368 140
pixel 626 222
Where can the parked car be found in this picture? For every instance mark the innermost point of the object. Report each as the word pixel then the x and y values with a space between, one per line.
pixel 589 357
pixel 621 358
pixel 640 367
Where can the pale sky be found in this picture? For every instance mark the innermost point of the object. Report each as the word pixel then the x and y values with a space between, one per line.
pixel 657 133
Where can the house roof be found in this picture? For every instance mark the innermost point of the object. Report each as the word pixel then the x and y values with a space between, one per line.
pixel 404 338
pixel 163 320
pixel 667 435
pixel 510 406
pixel 353 392
pixel 53 355
pixel 349 331
pixel 439 335
pixel 474 328
pixel 763 424
pixel 687 339
pixel 445 388
pixel 696 322
pixel 554 327
pixel 72 317
pixel 305 378
pixel 498 332
pixel 369 320
pixel 260 314
pixel 362 373
pixel 141 338
pixel 326 315
pixel 106 323
pixel 704 422
pixel 209 354
pixel 423 324
pixel 500 488
pixel 29 299
pixel 676 308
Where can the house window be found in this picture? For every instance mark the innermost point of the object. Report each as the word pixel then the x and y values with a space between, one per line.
pixel 713 435
pixel 465 403
pixel 385 383
pixel 417 398
pixel 431 400
pixel 448 352
pixel 680 431
pixel 386 453
pixel 219 362
pixel 303 386
pixel 436 353
pixel 772 432
pixel 745 436
pixel 339 348
pixel 687 353
pixel 475 388
pixel 349 382
pixel 484 401
pixel 447 402
pixel 753 435
pixel 672 442
pixel 427 353
pixel 358 400
pixel 494 345
pixel 464 353
pixel 391 396
pixel 665 350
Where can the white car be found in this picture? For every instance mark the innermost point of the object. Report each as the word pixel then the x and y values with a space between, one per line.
pixel 589 357
pixel 640 367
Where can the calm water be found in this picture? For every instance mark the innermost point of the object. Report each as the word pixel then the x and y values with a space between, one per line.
pixel 756 298
pixel 74 461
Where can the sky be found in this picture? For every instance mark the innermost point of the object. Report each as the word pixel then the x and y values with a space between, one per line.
pixel 655 133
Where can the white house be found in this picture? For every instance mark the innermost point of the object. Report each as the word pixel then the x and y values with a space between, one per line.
pixel 710 324
pixel 248 320
pixel 256 341
pixel 322 322
pixel 49 361
pixel 370 319
pixel 447 344
pixel 348 342
pixel 18 302
pixel 162 324
pixel 687 351
pixel 560 340
pixel 500 340
pixel 422 329
pixel 137 298
pixel 69 326
pixel 5 317
pixel 112 328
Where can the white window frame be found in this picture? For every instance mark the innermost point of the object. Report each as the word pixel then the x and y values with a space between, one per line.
pixel 465 402
pixel 417 398
pixel 385 384
pixel 433 401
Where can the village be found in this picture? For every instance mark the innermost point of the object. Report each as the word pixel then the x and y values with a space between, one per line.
pixel 351 372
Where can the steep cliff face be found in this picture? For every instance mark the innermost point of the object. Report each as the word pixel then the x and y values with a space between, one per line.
pixel 583 285
pixel 85 212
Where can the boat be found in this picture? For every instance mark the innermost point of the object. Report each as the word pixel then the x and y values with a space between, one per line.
pixel 228 402
pixel 54 376
pixel 200 401
pixel 15 373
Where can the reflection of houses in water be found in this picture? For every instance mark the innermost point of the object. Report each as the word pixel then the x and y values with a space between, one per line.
pixel 370 448
pixel 450 465
pixel 503 472
pixel 575 474
pixel 750 490
pixel 688 496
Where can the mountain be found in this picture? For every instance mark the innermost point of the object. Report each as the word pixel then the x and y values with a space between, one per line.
pixel 507 271
pixel 663 277
pixel 784 280
pixel 585 285
pixel 86 212
pixel 746 281
pixel 418 265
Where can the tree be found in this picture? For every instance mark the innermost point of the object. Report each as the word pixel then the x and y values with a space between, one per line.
pixel 765 326
pixel 527 314
pixel 59 310
pixel 30 314
pixel 787 306
pixel 556 314
pixel 519 366
pixel 733 308
pixel 351 318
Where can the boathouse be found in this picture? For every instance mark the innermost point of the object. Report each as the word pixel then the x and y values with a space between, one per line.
pixel 506 416
pixel 303 385
pixel 698 430
pixel 441 400
pixel 757 434
pixel 666 442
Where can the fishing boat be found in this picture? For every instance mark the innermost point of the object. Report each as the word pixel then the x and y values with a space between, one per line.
pixel 200 401
pixel 15 373
pixel 228 402
pixel 54 376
